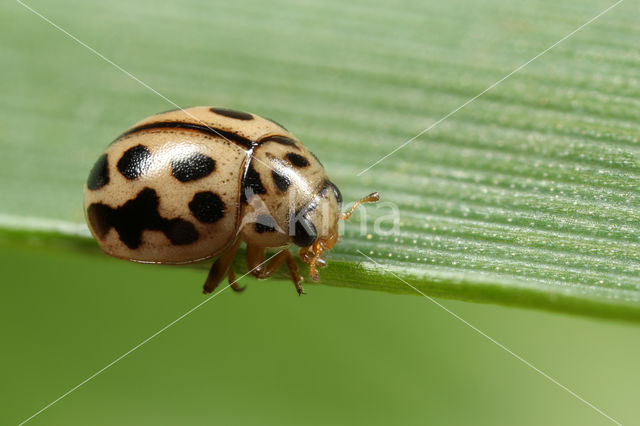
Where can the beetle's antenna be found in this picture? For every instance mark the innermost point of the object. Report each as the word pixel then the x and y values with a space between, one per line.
pixel 371 198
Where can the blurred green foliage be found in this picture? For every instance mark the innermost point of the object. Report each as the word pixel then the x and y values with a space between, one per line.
pixel 269 357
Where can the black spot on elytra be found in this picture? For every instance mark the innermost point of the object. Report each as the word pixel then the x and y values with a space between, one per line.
pixel 180 232
pixel 207 207
pixel 282 140
pixel 297 160
pixel 134 162
pixel 100 217
pixel 251 184
pixel 277 124
pixel 136 216
pixel 265 223
pixel 281 181
pixel 99 175
pixel 238 115
pixel 192 167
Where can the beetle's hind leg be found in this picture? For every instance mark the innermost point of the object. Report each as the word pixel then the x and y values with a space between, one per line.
pixel 221 268
pixel 258 268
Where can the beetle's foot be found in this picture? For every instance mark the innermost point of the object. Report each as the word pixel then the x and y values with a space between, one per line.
pixel 237 287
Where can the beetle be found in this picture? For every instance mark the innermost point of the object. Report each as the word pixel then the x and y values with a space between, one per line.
pixel 192 184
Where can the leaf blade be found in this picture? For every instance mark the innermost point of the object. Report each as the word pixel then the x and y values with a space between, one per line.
pixel 525 197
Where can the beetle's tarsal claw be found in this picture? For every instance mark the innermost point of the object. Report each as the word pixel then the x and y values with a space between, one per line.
pixel 313 272
pixel 317 250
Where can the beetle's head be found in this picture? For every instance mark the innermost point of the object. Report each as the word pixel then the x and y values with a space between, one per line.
pixel 315 225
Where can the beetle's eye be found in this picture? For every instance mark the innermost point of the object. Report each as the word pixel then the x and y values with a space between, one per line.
pixel 305 232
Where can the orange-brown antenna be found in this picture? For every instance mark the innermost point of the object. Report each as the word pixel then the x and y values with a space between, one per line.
pixel 371 198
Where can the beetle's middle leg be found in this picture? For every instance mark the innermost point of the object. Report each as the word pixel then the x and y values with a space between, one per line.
pixel 220 268
pixel 232 281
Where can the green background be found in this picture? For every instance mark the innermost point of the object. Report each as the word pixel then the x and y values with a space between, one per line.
pixel 527 198
pixel 267 356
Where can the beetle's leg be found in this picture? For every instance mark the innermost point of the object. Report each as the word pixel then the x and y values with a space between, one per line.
pixel 219 268
pixel 232 281
pixel 255 260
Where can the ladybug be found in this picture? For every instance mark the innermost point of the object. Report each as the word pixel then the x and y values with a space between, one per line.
pixel 192 184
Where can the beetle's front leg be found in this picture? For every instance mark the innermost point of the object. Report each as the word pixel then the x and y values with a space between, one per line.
pixel 255 261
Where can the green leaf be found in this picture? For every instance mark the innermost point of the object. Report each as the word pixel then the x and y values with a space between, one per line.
pixel 527 196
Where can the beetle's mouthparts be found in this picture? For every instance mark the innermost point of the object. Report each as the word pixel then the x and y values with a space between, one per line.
pixel 311 255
